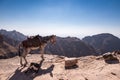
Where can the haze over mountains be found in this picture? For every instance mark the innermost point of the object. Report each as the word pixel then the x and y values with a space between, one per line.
pixel 68 46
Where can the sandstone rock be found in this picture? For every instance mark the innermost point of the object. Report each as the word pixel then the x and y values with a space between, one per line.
pixel 117 52
pixel 71 62
pixel 109 56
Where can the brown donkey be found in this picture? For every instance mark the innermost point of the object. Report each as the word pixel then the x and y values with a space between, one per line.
pixel 32 43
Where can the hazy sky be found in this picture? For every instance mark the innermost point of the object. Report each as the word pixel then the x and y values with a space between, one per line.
pixel 61 17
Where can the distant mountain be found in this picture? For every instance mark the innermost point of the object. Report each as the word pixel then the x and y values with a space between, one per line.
pixel 103 42
pixel 70 47
pixel 9 41
pixel 6 50
pixel 12 37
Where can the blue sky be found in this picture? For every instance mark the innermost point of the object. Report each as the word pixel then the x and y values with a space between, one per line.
pixel 61 17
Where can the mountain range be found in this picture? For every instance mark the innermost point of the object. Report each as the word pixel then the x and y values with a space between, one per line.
pixel 67 46
pixel 103 43
pixel 6 50
pixel 70 47
pixel 12 37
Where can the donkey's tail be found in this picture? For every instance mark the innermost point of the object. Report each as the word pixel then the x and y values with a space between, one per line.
pixel 20 49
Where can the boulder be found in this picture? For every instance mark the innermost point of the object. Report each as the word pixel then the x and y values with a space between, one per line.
pixel 109 56
pixel 71 63
pixel 117 52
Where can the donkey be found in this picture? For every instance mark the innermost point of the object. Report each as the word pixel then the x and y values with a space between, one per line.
pixel 32 43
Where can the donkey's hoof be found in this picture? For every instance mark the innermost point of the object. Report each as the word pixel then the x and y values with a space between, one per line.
pixel 42 57
pixel 25 65
pixel 21 65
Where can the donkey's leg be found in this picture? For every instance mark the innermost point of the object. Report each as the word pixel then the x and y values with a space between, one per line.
pixel 25 61
pixel 26 52
pixel 21 56
pixel 42 51
pixel 42 54
pixel 21 61
pixel 20 51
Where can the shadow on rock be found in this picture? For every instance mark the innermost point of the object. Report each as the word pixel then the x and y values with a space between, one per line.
pixel 72 67
pixel 115 61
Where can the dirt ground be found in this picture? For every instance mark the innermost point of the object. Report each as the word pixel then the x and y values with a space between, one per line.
pixel 52 68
